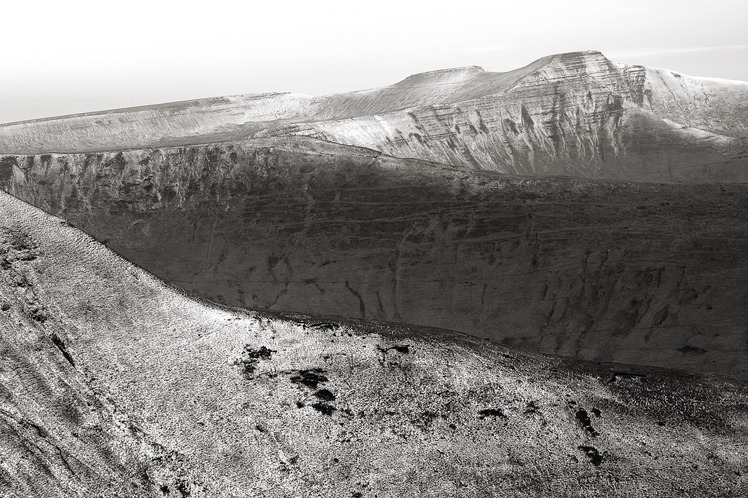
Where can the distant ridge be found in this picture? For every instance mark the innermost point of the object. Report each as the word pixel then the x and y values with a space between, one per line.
pixel 576 114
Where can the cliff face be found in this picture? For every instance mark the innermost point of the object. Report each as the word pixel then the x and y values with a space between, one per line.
pixel 609 271
pixel 574 114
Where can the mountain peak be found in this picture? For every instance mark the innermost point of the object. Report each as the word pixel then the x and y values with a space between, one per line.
pixel 580 57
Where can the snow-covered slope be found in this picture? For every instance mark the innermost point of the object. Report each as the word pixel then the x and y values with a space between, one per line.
pixel 220 118
pixel 575 114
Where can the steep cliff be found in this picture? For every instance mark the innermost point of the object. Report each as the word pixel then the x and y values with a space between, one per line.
pixel 609 271
pixel 114 385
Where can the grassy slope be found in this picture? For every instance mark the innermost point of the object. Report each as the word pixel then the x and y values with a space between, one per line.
pixel 174 405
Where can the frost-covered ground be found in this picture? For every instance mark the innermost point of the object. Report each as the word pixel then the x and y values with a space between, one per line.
pixel 114 384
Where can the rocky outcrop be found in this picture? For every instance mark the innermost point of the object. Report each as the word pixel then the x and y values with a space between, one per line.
pixel 609 271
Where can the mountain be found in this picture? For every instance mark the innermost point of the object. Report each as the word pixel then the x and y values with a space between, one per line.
pixel 291 217
pixel 573 114
pixel 113 383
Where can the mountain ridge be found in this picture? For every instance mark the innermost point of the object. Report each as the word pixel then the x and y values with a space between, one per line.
pixel 553 116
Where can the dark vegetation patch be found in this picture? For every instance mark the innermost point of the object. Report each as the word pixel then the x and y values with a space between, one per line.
pixel 584 419
pixel 325 395
pixel 310 378
pixel 591 452
pixel 251 357
pixel 37 314
pixel 531 408
pixel 491 412
pixel 323 408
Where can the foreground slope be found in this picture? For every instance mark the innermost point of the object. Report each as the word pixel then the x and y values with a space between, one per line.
pixel 113 384
pixel 600 270
pixel 573 114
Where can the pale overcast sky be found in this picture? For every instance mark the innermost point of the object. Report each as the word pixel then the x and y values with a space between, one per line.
pixel 61 57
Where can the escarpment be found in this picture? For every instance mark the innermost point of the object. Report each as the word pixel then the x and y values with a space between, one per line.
pixel 576 114
pixel 507 205
pixel 648 274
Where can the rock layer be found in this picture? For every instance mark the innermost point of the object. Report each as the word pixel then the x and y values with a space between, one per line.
pixel 609 271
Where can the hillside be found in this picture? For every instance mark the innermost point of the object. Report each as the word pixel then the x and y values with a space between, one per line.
pixel 114 384
pixel 576 114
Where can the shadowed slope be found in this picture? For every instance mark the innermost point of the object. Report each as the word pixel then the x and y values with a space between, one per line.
pixel 188 400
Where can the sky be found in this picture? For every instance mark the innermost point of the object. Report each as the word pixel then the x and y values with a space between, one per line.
pixel 78 56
